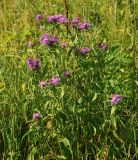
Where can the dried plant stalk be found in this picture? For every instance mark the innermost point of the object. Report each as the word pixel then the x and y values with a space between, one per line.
pixel 67 14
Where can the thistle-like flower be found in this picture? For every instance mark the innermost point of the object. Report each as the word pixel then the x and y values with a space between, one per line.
pixel 116 98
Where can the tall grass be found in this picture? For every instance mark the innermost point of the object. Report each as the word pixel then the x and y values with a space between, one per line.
pixel 78 121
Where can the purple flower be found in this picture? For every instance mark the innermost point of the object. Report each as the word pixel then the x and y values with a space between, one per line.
pixel 84 50
pixel 64 45
pixel 37 116
pixel 84 26
pixel 63 19
pixel 42 84
pixel 33 64
pixel 67 74
pixel 80 25
pixel 103 46
pixel 50 40
pixel 75 22
pixel 39 17
pixel 57 19
pixel 54 81
pixel 116 98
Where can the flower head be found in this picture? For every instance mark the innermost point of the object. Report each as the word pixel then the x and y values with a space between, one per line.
pixel 33 64
pixel 63 19
pixel 37 116
pixel 116 98
pixel 67 74
pixel 103 46
pixel 50 40
pixel 39 17
pixel 84 50
pixel 64 45
pixel 54 81
pixel 75 22
pixel 84 26
pixel 57 19
pixel 42 84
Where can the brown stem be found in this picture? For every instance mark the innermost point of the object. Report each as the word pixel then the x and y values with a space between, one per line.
pixel 67 14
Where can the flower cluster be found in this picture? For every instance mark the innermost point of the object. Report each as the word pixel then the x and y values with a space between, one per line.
pixel 33 64
pixel 54 81
pixel 75 22
pixel 49 40
pixel 57 19
pixel 80 25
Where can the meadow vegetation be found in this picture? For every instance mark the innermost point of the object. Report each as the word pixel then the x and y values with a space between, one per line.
pixel 68 85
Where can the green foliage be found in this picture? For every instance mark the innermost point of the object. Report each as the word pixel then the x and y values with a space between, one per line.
pixel 78 120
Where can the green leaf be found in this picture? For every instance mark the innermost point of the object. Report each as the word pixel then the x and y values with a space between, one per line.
pixel 2 86
pixel 113 110
pixel 32 154
pixel 94 98
pixel 66 148
pixel 9 38
pixel 113 122
pixel 80 100
pixel 118 137
pixel 2 83
pixel 61 117
pixel 62 93
pixel 136 150
pixel 136 83
pixel 61 157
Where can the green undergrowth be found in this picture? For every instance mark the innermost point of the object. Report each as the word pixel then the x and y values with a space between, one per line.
pixel 78 120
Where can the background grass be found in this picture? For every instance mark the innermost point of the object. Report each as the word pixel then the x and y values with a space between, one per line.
pixel 78 120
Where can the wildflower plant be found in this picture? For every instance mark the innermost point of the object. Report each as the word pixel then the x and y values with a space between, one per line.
pixel 86 89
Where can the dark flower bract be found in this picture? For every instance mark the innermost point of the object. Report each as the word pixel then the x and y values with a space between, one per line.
pixel 67 74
